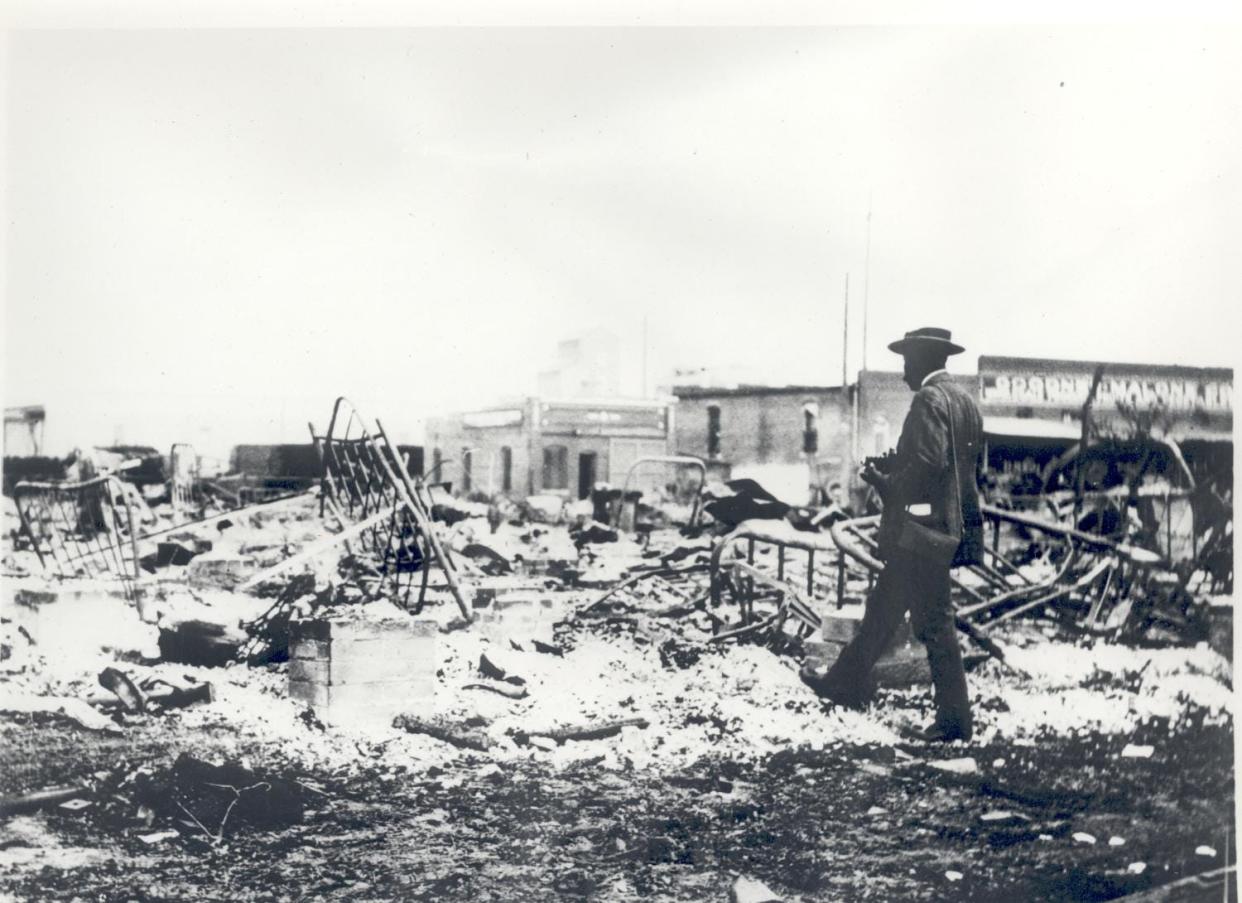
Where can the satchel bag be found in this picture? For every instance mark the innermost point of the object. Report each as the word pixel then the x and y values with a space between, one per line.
pixel 936 546
pixel 930 543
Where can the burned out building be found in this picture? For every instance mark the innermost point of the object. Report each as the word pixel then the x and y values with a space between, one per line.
pixel 796 439
pixel 801 436
pixel 1033 408
pixel 561 447
pixel 787 437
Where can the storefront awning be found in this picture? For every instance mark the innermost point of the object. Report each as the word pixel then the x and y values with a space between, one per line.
pixel 1031 428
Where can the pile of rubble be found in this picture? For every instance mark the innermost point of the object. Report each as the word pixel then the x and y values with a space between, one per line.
pixel 376 612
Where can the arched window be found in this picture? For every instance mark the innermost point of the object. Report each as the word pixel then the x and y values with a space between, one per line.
pixel 555 467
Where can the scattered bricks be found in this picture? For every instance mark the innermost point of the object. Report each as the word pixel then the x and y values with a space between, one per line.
pixel 221 571
pixel 352 671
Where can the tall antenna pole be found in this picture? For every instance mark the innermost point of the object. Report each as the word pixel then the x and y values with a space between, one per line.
pixel 845 345
pixel 866 282
pixel 644 355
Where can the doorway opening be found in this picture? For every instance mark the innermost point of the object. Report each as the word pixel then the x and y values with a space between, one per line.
pixel 586 473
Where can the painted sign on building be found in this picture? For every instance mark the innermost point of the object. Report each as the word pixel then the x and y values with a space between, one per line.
pixel 1187 402
pixel 492 419
pixel 1034 383
pixel 610 420
pixel 1176 394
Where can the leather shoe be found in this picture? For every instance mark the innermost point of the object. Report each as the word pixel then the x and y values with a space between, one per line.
pixel 812 679
pixel 830 692
pixel 938 733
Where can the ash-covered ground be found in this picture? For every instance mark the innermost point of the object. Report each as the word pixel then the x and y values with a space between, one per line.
pixel 1097 769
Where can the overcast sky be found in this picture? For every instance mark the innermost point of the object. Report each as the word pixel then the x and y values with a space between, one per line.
pixel 211 234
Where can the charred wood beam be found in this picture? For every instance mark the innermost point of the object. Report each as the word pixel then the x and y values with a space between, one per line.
pixel 581 732
pixel 463 739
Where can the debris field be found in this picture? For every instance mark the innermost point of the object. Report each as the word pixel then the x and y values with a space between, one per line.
pixel 375 690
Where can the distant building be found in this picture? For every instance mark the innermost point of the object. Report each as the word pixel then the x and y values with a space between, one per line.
pixel 23 431
pixel 555 446
pixel 1191 404
pixel 786 437
pixel 1031 408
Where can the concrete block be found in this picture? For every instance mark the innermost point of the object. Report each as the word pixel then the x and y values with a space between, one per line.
pixel 363 662
pixel 306 670
pixel 314 650
pixel 222 571
pixel 398 695
pixel 365 703
pixel 353 671
pixel 329 630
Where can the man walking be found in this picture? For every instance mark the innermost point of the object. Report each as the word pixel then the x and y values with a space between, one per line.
pixel 930 522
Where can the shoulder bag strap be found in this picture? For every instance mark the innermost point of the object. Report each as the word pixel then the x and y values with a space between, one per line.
pixel 956 477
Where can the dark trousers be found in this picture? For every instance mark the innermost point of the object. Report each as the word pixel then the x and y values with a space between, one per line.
pixel 907 583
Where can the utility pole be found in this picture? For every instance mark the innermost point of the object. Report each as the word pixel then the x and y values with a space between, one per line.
pixel 644 355
pixel 866 283
pixel 845 345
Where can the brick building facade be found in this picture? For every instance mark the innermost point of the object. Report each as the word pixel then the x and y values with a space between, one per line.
pixel 794 436
pixel 1031 409
pixel 548 446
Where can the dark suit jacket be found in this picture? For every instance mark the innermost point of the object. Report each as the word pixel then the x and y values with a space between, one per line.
pixel 922 472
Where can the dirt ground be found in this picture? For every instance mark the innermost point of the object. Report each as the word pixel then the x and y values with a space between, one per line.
pixel 1097 769
pixel 841 823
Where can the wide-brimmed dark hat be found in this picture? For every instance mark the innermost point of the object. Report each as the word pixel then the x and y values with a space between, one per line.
pixel 927 336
